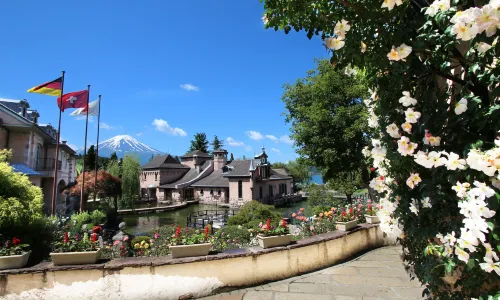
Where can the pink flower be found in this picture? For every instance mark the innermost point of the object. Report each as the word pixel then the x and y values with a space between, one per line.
pixel 125 238
pixel 116 243
pixel 369 201
pixel 156 235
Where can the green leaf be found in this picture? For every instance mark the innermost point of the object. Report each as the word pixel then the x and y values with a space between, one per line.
pixel 471 263
pixel 491 225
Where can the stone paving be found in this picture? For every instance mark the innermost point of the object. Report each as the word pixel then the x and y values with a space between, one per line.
pixel 376 275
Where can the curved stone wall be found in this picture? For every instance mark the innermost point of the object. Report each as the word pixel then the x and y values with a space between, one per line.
pixel 167 278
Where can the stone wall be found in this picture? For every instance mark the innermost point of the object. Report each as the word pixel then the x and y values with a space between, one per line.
pixel 167 278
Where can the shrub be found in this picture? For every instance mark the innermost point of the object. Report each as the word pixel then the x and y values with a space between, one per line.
pixel 254 212
pixel 97 217
pixel 232 237
pixel 78 220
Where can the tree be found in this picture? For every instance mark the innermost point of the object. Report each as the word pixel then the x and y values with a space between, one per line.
pixel 300 170
pixel 319 199
pixel 107 185
pixel 433 68
pixel 113 157
pixel 20 201
pixel 90 158
pixel 131 184
pixel 329 121
pixel 346 183
pixel 279 165
pixel 114 168
pixel 231 158
pixel 199 142
pixel 216 143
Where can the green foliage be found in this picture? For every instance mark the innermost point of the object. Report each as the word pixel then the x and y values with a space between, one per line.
pixel 300 170
pixel 279 165
pixel 139 239
pixel 113 157
pixel 253 213
pixel 216 143
pixel 131 170
pixel 320 199
pixel 199 142
pixel 77 220
pixel 21 203
pixel 329 121
pixel 231 158
pixel 114 169
pixel 90 159
pixel 346 183
pixel 97 217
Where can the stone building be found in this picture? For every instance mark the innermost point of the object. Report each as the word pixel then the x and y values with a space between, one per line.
pixel 198 176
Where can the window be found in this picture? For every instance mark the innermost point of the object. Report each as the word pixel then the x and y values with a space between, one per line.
pixel 201 192
pixel 240 189
pixel 286 192
pixel 219 192
pixel 270 190
pixel 156 176
pixel 211 192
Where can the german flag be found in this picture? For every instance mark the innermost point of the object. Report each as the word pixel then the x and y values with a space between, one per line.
pixel 51 88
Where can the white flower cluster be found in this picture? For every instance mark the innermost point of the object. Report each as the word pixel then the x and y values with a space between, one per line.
pixel 373 118
pixel 413 180
pixel 438 5
pixel 399 53
pixel 473 21
pixel 487 162
pixel 340 30
pixel 472 234
pixel 350 71
pixel 389 4
pixel 434 159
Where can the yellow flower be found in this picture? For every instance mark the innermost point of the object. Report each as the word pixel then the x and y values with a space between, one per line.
pixel 146 246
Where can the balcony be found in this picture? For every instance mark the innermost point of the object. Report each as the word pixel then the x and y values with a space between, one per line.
pixel 46 164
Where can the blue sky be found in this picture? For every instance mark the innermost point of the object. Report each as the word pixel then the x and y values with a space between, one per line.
pixel 165 69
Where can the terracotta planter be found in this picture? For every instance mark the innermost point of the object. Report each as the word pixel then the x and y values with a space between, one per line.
pixel 274 241
pixel 14 261
pixel 345 226
pixel 190 250
pixel 372 219
pixel 74 258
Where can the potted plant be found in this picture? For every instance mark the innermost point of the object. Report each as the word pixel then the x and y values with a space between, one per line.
pixel 346 220
pixel 269 236
pixel 13 254
pixel 77 250
pixel 371 214
pixel 185 245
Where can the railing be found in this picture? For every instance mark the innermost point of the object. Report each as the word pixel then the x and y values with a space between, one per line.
pixel 47 164
pixel 200 219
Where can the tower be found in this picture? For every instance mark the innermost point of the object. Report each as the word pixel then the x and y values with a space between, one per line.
pixel 220 158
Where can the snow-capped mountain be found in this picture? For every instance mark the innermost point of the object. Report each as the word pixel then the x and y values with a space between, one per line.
pixel 125 144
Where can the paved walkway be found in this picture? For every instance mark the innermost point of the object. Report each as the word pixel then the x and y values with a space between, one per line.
pixel 378 274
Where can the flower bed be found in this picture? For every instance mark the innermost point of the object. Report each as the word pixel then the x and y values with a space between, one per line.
pixel 13 254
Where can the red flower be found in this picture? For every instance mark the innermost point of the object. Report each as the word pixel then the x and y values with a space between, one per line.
pixel 350 210
pixel 97 229
pixel 206 232
pixel 268 224
pixel 93 237
pixel 369 207
pixel 283 223
pixel 66 237
pixel 178 232
pixel 372 169
pixel 16 241
pixel 382 177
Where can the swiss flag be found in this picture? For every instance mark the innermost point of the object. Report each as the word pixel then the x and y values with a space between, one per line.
pixel 73 100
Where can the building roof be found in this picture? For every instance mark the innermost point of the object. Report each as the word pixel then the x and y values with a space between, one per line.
pixel 22 168
pixel 197 153
pixel 164 162
pixel 14 105
pixel 215 179
pixel 278 174
pixel 241 168
pixel 190 175
pixel 281 171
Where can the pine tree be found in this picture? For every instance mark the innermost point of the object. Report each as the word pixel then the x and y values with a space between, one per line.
pixel 199 142
pixel 231 157
pixel 114 156
pixel 216 143
pixel 90 159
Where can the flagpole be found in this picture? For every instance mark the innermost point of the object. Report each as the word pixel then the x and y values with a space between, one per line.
pixel 85 150
pixel 54 184
pixel 97 147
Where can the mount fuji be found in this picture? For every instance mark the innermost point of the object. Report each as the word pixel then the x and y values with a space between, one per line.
pixel 125 144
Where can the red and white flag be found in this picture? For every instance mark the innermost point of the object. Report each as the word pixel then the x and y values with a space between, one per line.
pixel 73 100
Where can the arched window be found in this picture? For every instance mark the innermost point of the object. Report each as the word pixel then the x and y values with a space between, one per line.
pixel 240 189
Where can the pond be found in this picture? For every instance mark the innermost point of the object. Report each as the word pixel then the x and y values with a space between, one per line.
pixel 147 222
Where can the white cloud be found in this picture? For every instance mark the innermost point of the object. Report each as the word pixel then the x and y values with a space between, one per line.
pixel 139 134
pixel 276 150
pixel 106 126
pixel 272 138
pixel 163 126
pixel 254 135
pixel 189 87
pixel 286 139
pixel 232 142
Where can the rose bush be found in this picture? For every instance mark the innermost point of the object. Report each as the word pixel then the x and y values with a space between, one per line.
pixel 434 110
